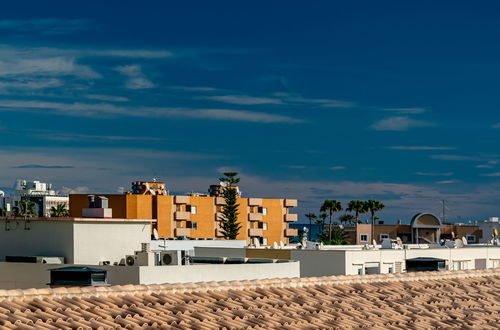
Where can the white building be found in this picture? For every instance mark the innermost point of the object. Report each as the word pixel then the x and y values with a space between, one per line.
pixel 38 192
pixel 488 227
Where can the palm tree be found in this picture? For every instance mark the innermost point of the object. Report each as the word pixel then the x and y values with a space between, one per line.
pixel 339 237
pixel 331 206
pixel 59 211
pixel 311 217
pixel 26 208
pixel 322 222
pixel 359 207
pixel 347 218
pixel 373 206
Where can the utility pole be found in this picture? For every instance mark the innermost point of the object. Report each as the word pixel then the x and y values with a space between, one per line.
pixel 444 210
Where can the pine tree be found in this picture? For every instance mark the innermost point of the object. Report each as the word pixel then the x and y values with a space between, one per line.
pixel 229 219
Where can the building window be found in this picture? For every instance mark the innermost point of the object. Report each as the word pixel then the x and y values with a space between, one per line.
pixel 192 225
pixel 263 210
pixel 390 268
pixel 363 237
pixel 383 236
pixel 359 269
pixel 471 239
pixel 263 225
pixel 460 265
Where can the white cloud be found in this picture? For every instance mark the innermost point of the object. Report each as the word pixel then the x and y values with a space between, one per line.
pixel 48 66
pixel 136 79
pixel 105 109
pixel 399 123
pixel 484 166
pixel 420 148
pixel 409 111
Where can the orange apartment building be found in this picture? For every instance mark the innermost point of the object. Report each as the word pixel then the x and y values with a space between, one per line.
pixel 197 216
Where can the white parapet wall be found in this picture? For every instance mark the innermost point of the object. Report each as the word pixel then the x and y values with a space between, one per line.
pixel 78 240
pixel 24 275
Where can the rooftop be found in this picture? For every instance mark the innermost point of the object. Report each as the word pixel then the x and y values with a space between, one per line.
pixel 465 299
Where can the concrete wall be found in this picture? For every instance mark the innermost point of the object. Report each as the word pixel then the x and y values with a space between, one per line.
pixel 319 263
pixel 226 272
pixel 36 238
pixel 219 252
pixel 104 241
pixel 78 241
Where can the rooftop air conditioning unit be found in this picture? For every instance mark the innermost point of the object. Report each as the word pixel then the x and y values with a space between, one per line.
pixel 173 258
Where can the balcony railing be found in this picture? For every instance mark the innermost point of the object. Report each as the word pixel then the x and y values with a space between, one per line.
pixel 255 217
pixel 291 202
pixel 182 231
pixel 255 201
pixel 181 199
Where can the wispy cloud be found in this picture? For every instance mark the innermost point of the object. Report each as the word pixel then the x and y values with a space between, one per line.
pixel 48 66
pixel 496 174
pixel 45 26
pixel 30 84
pixel 243 99
pixel 31 166
pixel 399 123
pixel 291 98
pixel 337 168
pixel 109 98
pixel 434 173
pixel 454 157
pixel 111 110
pixel 91 138
pixel 497 125
pixel 136 79
pixel 408 111
pixel 485 166
pixel 448 182
pixel 420 148
pixel 194 88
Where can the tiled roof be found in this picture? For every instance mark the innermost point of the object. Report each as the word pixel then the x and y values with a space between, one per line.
pixel 465 299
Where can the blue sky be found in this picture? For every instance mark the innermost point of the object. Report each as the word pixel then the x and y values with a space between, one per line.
pixel 324 100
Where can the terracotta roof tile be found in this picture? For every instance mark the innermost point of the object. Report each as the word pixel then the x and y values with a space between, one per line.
pixel 466 299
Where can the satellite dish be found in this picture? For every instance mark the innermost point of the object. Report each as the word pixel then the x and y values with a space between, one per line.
pixel 399 241
pixel 459 243
pixel 275 245
pixel 282 244
pixel 155 233
pixel 374 242
pixel 166 259
pixel 452 234
pixel 464 240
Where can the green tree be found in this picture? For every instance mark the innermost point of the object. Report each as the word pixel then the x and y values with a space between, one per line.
pixel 358 207
pixel 338 237
pixel 59 211
pixel 330 206
pixel 229 218
pixel 312 217
pixel 230 178
pixel 347 218
pixel 374 206
pixel 322 221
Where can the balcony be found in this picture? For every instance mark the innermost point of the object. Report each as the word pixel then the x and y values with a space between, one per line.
pixel 255 201
pixel 220 201
pixel 181 199
pixel 291 232
pixel 182 231
pixel 291 203
pixel 291 217
pixel 254 232
pixel 218 233
pixel 255 217
pixel 219 216
pixel 182 215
